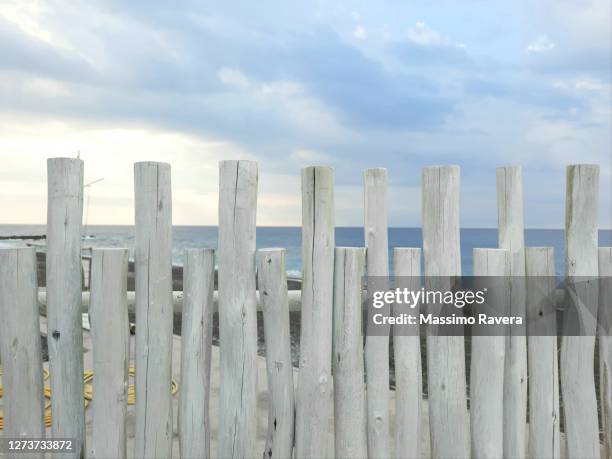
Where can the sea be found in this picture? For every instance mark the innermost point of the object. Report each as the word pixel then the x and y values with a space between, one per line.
pixel 289 238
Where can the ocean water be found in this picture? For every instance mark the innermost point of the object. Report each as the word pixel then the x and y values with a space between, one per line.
pixel 290 239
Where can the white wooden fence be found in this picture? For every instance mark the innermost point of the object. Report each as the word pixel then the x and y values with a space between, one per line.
pixel 351 414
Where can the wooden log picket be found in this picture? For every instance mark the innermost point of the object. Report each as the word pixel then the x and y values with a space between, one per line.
pixel 448 416
pixel 544 415
pixel 407 358
pixel 605 346
pixel 314 392
pixel 22 379
pixel 577 352
pixel 377 347
pixel 349 391
pixel 511 238
pixel 272 281
pixel 64 215
pixel 196 344
pixel 488 359
pixel 237 308
pixel 111 344
pixel 153 355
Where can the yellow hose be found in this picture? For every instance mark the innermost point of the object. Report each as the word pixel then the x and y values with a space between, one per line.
pixel 87 395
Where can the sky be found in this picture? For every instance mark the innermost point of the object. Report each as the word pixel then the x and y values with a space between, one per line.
pixel 352 85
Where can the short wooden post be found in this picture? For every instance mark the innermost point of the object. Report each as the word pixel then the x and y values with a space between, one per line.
pixel 272 279
pixel 237 308
pixel 605 345
pixel 377 347
pixel 154 315
pixel 111 341
pixel 577 352
pixel 487 360
pixel 196 342
pixel 314 395
pixel 349 389
pixel 511 238
pixel 544 413
pixel 64 215
pixel 22 379
pixel 448 416
pixel 408 372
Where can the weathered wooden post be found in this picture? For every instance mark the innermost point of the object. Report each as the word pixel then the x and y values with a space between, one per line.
pixel 488 356
pixel 64 215
pixel 349 389
pixel 511 238
pixel 544 413
pixel 23 399
pixel 314 396
pixel 448 416
pixel 196 342
pixel 605 345
pixel 577 352
pixel 377 347
pixel 407 355
pixel 237 308
pixel 272 277
pixel 153 258
pixel 111 340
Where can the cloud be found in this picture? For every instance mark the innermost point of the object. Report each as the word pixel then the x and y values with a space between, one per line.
pixel 233 78
pixel 542 44
pixel 360 33
pixel 423 35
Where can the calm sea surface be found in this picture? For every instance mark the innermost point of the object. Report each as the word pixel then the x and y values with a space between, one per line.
pixel 290 239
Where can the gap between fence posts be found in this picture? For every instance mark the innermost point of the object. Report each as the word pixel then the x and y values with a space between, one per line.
pixel 22 370
pixel 196 349
pixel 237 308
pixel 488 357
pixel 511 238
pixel 65 342
pixel 544 416
pixel 314 392
pixel 272 281
pixel 111 342
pixel 154 314
pixel 407 358
pixel 377 347
pixel 448 415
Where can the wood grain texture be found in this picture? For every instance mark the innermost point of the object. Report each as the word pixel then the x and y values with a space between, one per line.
pixel 407 358
pixel 272 281
pixel 511 238
pixel 22 378
pixel 377 347
pixel 577 352
pixel 605 345
pixel 237 308
pixel 487 359
pixel 111 340
pixel 314 393
pixel 544 415
pixel 448 416
pixel 196 342
pixel 349 389
pixel 154 315
pixel 64 216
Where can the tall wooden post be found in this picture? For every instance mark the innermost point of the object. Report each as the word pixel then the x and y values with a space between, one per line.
pixel 605 345
pixel 237 308
pixel 153 256
pixel 577 352
pixel 314 396
pixel 448 416
pixel 64 215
